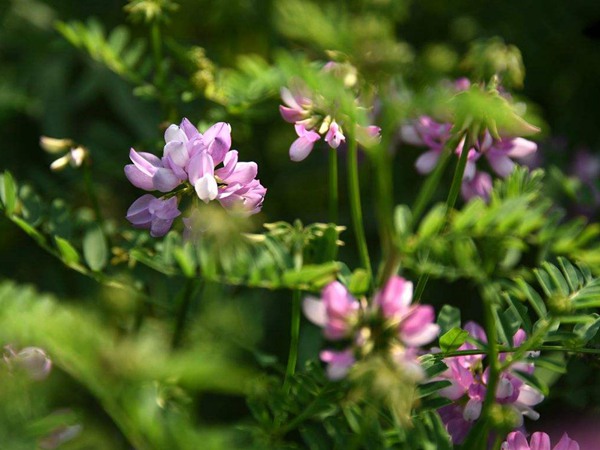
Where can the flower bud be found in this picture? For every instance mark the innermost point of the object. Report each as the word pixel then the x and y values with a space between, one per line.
pixel 34 362
pixel 54 145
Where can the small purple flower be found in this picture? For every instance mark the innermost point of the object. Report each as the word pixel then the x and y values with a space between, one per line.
pixel 245 198
pixel 416 325
pixel 153 213
pixel 334 136
pixel 338 363
pixel 539 441
pixel 302 146
pixel 336 313
pixel 478 186
pixel 500 152
pixel 469 386
pixel 298 106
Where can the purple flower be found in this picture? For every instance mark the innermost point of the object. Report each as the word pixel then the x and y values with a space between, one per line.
pixel 302 146
pixel 539 441
pixel 336 313
pixel 334 136
pixel 298 106
pixel 245 198
pixel 153 213
pixel 469 386
pixel 416 325
pixel 338 363
pixel 343 317
pixel 479 186
pixel 148 172
pixel 500 152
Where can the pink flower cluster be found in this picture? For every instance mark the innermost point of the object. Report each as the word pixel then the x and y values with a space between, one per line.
pixel 499 153
pixel 203 162
pixel 344 318
pixel 468 387
pixel 311 120
pixel 539 441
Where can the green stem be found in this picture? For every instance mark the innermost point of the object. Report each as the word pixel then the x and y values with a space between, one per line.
pixel 294 339
pixel 333 185
pixel 432 183
pixel 492 353
pixel 355 206
pixel 459 173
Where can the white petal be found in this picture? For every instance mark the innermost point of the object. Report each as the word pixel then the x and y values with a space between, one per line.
pixel 206 188
pixel 315 311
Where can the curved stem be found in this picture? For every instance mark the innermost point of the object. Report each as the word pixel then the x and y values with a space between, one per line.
pixel 89 184
pixel 355 206
pixel 333 185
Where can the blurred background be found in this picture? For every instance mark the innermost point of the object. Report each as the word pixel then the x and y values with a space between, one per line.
pixel 49 87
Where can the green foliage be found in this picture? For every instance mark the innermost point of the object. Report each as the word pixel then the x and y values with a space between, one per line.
pixel 135 379
pixel 116 50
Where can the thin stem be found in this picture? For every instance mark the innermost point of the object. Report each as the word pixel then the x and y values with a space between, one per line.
pixel 294 339
pixel 432 183
pixel 492 353
pixel 296 313
pixel 459 173
pixel 355 206
pixel 333 185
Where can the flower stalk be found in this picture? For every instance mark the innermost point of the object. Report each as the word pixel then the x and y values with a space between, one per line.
pixel 355 206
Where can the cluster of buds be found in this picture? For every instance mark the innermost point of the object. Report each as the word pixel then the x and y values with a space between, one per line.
pixel 71 154
pixel 191 162
pixel 311 117
pixel 468 387
pixel 499 151
pixel 390 325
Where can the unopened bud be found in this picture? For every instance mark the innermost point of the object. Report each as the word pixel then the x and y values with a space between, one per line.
pixel 34 362
pixel 55 145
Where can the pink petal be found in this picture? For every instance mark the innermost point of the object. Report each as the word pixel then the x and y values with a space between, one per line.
pixel 175 133
pixel 218 141
pixel 539 441
pixel 138 178
pixel 516 441
pixel 427 161
pixel 566 443
pixel 501 163
pixel 291 115
pixel 521 148
pixel 300 149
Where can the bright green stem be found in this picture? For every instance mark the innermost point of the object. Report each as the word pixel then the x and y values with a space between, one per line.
pixel 294 338
pixel 458 175
pixel 333 185
pixel 355 206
